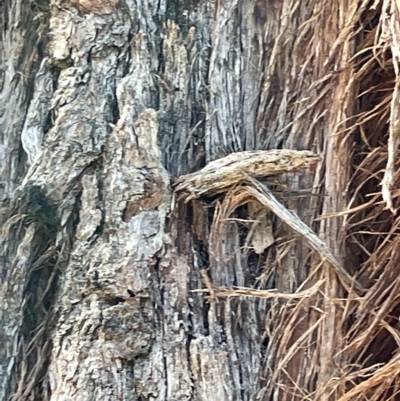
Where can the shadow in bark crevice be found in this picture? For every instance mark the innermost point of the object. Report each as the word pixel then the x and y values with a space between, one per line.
pixel 44 253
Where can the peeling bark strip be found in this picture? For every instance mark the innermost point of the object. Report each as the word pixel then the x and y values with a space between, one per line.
pixel 391 27
pixel 265 196
pixel 221 292
pixel 222 174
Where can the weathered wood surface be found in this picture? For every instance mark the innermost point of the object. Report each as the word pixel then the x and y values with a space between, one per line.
pixel 225 173
pixel 103 104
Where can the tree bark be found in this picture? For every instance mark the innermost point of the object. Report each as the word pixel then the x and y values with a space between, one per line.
pixel 114 285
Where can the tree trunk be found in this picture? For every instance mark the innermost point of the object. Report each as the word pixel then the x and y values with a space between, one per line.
pixel 123 276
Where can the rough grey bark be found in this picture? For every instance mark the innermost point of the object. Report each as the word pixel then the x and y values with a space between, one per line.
pixel 103 104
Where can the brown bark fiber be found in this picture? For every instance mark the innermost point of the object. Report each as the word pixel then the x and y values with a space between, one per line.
pixel 199 200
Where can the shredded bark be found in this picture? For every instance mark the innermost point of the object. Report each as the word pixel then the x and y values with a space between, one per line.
pixel 97 271
pixel 222 174
pixel 239 168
